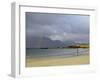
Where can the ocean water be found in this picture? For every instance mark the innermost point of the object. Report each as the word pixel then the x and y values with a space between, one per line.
pixel 34 53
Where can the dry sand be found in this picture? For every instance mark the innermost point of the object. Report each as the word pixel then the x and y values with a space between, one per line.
pixel 57 61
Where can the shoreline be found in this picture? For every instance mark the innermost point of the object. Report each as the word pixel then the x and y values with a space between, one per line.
pixel 57 61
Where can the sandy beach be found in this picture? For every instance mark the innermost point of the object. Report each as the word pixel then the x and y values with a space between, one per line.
pixel 56 61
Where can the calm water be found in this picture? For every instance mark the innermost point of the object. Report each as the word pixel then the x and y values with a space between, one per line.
pixel 34 53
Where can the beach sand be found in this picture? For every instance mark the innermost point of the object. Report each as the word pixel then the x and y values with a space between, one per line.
pixel 57 61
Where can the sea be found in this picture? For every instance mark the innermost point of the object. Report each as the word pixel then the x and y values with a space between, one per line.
pixel 66 52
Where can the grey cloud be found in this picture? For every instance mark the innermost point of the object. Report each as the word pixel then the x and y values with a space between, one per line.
pixel 57 26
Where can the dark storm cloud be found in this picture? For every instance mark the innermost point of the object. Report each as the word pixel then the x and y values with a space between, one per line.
pixel 57 27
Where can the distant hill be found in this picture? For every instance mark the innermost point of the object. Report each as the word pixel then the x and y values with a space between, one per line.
pixel 79 46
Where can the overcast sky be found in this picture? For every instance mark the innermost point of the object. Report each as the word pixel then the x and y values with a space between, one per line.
pixel 57 26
